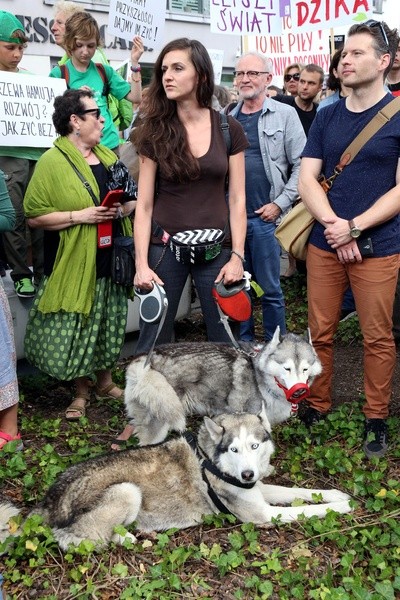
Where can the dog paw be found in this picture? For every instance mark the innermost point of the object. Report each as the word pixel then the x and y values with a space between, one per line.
pixel 341 507
pixel 335 496
pixel 120 539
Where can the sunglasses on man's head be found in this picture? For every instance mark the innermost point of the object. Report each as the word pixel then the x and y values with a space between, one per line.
pixel 372 23
pixel 295 76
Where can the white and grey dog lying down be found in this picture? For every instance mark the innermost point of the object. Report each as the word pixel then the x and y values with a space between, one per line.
pixel 210 379
pixel 175 484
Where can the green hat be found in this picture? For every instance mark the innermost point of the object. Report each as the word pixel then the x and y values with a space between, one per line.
pixel 9 24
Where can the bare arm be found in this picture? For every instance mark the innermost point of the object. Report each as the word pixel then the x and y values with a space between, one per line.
pixel 135 95
pixel 311 192
pixel 142 228
pixel 233 270
pixel 385 208
pixel 55 221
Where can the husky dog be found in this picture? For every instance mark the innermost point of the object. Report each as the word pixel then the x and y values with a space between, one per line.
pixel 210 379
pixel 175 484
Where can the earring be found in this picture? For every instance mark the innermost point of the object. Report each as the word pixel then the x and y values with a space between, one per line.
pixel 78 133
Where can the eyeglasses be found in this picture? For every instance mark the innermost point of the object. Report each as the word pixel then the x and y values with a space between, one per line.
pixel 372 23
pixel 95 111
pixel 295 76
pixel 250 74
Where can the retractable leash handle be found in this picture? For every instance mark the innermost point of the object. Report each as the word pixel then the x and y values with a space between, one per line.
pixel 153 303
pixel 153 309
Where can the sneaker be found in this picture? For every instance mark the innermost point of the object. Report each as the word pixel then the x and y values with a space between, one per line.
pixel 376 437
pixel 347 314
pixel 24 288
pixel 311 417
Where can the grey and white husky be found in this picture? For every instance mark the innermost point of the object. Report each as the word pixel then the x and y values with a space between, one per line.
pixel 210 379
pixel 175 484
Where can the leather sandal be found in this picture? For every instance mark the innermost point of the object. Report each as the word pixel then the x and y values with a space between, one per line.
pixel 103 393
pixel 76 409
pixel 5 438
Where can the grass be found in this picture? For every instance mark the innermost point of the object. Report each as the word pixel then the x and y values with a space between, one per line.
pixel 341 557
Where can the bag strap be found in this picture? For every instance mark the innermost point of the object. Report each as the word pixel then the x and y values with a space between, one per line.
pixel 375 124
pixel 86 184
pixel 64 73
pixel 101 71
pixel 225 132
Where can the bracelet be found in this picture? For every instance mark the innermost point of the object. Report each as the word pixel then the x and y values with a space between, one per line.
pixel 136 69
pixel 238 255
pixel 138 80
pixel 120 213
pixel 71 221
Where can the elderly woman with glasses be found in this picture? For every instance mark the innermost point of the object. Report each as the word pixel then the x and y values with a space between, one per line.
pixel 77 324
pixel 291 78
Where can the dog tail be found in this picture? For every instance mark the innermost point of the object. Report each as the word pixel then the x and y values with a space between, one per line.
pixel 147 391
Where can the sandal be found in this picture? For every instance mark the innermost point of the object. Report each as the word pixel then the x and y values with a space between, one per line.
pixel 6 438
pixel 76 409
pixel 104 393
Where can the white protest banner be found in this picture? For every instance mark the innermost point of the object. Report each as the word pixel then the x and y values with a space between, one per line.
pixel 239 17
pixel 217 59
pixel 308 15
pixel 291 47
pixel 145 18
pixel 26 108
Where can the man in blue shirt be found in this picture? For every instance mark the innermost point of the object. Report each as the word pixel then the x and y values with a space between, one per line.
pixel 364 202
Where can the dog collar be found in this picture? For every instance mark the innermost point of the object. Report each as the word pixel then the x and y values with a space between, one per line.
pixel 207 465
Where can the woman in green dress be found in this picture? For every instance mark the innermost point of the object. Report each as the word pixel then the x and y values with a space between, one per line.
pixel 77 324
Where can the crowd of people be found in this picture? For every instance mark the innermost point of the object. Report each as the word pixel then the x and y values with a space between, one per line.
pixel 225 167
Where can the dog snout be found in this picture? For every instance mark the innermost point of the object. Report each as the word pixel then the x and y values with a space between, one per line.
pixel 300 392
pixel 248 475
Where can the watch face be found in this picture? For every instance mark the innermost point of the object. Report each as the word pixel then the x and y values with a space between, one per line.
pixel 355 233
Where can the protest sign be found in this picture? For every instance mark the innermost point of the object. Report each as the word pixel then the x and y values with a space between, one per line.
pixel 26 108
pixel 308 15
pixel 145 18
pixel 217 59
pixel 291 47
pixel 240 17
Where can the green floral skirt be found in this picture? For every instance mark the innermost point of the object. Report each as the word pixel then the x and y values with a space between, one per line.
pixel 69 345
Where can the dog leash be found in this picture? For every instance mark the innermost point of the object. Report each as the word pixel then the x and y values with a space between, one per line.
pixel 153 309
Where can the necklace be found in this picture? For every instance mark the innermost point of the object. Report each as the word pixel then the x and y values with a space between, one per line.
pixel 87 155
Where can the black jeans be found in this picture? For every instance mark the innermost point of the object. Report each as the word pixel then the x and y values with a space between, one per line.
pixel 174 276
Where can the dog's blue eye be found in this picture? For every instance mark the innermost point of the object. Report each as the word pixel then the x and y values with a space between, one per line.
pixel 233 449
pixel 255 446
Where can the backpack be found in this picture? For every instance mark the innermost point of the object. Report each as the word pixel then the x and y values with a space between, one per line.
pixel 121 110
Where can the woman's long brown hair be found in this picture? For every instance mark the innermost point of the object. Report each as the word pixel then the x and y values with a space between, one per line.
pixel 161 133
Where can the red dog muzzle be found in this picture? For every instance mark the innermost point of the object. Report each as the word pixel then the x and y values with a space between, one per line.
pixel 295 394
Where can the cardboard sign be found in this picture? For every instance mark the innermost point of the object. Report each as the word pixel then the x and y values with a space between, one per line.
pixel 291 47
pixel 308 15
pixel 26 108
pixel 145 18
pixel 240 17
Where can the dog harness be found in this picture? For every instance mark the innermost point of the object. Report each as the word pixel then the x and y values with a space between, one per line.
pixel 207 465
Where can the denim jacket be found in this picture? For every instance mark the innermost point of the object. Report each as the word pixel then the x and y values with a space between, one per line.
pixel 282 141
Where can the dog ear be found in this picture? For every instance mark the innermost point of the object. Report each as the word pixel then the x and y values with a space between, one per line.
pixel 215 431
pixel 307 336
pixel 276 339
pixel 262 415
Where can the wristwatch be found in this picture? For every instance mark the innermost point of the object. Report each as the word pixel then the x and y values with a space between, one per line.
pixel 355 232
